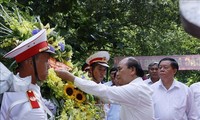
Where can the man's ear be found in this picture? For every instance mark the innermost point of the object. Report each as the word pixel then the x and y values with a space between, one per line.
pixel 175 71
pixel 133 70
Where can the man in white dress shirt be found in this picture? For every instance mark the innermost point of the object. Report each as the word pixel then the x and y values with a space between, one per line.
pixel 196 92
pixel 133 94
pixel 153 73
pixel 22 99
pixel 172 99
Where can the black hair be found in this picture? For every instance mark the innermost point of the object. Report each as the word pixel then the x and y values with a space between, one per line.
pixel 173 64
pixel 113 69
pixel 132 62
pixel 93 65
pixel 84 66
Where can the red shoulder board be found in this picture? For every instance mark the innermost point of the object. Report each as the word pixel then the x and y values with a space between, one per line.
pixel 32 99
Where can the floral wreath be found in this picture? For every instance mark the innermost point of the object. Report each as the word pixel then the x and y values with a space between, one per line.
pixel 71 102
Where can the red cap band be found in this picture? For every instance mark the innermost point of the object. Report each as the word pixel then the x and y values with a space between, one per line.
pixel 100 59
pixel 31 52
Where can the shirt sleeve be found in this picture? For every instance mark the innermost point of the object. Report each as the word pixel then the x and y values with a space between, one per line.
pixel 11 82
pixel 196 95
pixel 126 94
pixel 5 81
pixel 192 110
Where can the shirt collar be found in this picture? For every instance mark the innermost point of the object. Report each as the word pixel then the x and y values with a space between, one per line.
pixel 149 81
pixel 29 85
pixel 173 86
pixel 25 79
pixel 138 79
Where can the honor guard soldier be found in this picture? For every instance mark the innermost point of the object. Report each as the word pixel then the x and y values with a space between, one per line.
pixel 98 63
pixel 22 99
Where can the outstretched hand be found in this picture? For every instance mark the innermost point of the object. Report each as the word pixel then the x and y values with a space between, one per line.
pixel 65 75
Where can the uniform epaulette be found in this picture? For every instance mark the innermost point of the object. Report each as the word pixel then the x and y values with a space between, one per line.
pixel 32 99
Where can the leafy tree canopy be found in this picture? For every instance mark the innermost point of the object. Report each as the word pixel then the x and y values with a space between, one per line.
pixel 122 27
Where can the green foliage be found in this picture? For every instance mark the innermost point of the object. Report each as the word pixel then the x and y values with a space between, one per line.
pixel 123 27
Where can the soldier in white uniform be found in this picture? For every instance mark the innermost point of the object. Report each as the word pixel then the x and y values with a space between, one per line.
pixel 98 65
pixel 22 99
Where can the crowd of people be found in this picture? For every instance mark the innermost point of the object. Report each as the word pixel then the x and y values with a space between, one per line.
pixel 125 97
pixel 170 99
pixel 160 97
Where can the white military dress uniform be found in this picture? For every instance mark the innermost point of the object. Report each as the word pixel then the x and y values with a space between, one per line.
pixel 101 58
pixel 21 99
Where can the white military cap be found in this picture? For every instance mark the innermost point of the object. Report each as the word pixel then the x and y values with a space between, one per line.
pixel 101 57
pixel 30 47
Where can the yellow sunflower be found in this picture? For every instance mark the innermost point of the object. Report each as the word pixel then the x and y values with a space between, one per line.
pixel 69 91
pixel 80 96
